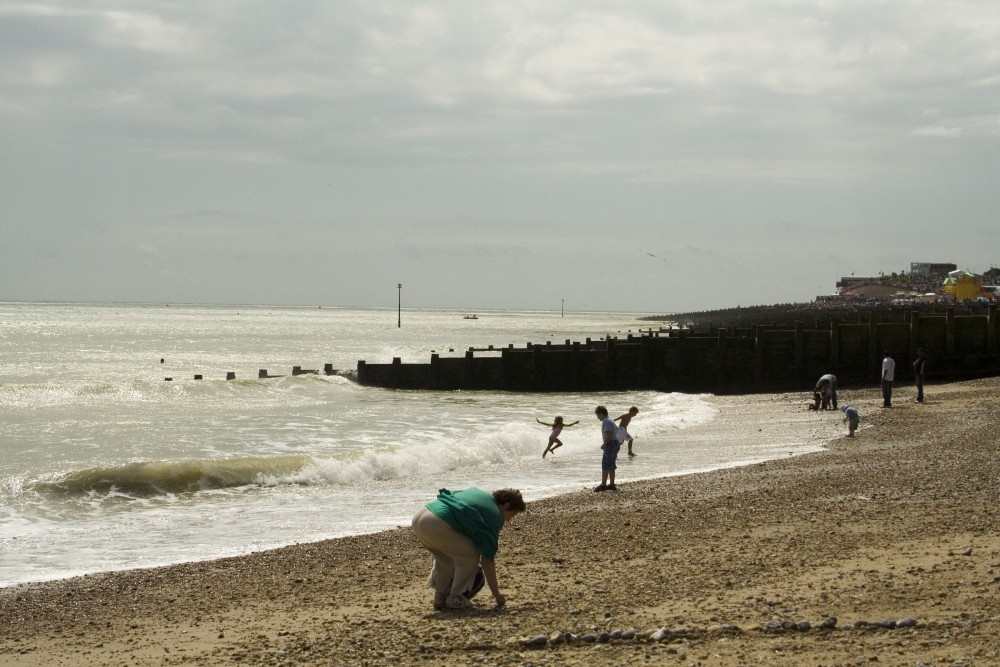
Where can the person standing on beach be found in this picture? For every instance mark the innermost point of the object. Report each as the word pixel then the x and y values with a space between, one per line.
pixel 852 418
pixel 557 426
pixel 461 529
pixel 888 373
pixel 623 422
pixel 610 446
pixel 827 388
pixel 918 374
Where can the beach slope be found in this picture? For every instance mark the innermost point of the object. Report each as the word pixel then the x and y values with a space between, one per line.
pixel 883 549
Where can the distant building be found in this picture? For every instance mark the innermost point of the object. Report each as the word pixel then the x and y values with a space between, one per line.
pixel 931 269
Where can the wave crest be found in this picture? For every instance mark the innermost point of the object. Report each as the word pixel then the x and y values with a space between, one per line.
pixel 153 478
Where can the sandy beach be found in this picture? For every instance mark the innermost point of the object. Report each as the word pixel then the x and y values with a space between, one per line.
pixel 883 549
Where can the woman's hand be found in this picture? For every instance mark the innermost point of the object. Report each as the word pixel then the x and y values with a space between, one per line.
pixel 490 570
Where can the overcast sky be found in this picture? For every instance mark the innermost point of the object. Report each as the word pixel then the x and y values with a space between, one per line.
pixel 650 156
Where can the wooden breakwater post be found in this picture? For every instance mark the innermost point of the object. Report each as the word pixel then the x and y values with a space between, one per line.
pixel 720 371
pixel 991 330
pixel 950 337
pixel 834 342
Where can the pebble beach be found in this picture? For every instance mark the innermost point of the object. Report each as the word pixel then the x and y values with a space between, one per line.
pixel 881 549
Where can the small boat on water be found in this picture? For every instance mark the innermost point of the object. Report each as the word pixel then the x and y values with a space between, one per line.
pixel 471 317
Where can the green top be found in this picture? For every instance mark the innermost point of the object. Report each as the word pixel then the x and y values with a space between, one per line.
pixel 473 513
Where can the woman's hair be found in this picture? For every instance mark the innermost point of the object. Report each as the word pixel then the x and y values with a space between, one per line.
pixel 558 419
pixel 511 498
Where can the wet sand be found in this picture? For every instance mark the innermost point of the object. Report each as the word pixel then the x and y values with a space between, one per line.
pixel 883 549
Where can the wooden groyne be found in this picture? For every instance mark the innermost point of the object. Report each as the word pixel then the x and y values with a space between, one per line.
pixel 734 359
pixel 263 373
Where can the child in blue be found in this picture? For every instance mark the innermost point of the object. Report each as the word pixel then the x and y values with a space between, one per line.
pixel 610 444
pixel 852 418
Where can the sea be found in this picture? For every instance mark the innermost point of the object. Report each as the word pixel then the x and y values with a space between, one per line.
pixel 113 456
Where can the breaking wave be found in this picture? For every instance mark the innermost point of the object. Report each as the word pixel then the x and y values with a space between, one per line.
pixel 152 478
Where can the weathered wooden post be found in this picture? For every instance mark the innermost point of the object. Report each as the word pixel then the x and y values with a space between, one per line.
pixel 758 354
pixel 610 365
pixel 468 376
pixel 991 329
pixel 647 371
pixel 720 371
pixel 799 349
pixel 914 336
pixel 682 366
pixel 834 343
pixel 873 351
pixel 949 339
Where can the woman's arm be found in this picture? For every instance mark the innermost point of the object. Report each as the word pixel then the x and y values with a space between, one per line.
pixel 490 570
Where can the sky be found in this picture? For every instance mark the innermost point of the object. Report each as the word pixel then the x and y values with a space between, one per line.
pixel 648 156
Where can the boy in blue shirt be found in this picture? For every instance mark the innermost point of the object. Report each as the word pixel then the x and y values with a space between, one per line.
pixel 610 445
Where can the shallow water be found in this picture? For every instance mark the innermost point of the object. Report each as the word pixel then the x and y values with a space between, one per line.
pixel 107 466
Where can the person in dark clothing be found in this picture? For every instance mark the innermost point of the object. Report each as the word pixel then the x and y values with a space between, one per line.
pixel 918 374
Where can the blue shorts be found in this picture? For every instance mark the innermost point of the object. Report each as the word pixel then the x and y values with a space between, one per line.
pixel 608 460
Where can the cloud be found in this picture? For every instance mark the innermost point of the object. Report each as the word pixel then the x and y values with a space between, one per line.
pixel 385 133
pixel 938 131
pixel 147 32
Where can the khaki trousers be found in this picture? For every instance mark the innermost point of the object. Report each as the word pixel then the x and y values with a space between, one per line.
pixel 455 557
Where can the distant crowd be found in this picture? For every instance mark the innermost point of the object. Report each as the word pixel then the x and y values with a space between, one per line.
pixel 841 305
pixel 906 281
pixel 843 309
pixel 901 281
